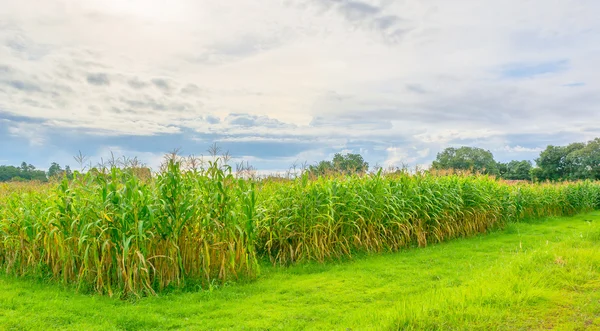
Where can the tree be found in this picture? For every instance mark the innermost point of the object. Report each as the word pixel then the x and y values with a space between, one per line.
pixel 466 158
pixel 516 170
pixel 554 163
pixel 23 173
pixel 68 173
pixel 502 169
pixel 8 173
pixel 345 164
pixel 39 175
pixel 321 168
pixel 585 162
pixel 24 167
pixel 55 170
pixel 350 163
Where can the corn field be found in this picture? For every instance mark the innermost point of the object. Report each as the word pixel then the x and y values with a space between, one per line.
pixel 115 233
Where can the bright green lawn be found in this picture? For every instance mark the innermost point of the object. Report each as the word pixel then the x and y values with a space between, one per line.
pixel 541 275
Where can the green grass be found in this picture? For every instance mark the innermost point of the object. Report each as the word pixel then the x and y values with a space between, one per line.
pixel 542 274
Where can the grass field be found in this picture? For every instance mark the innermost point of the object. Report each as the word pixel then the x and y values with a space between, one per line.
pixel 537 275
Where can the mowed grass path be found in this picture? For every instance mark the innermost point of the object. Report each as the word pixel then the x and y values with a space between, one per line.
pixel 543 274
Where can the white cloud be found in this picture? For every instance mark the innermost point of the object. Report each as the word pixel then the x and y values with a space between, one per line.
pixel 30 131
pixel 397 156
pixel 423 74
pixel 423 153
pixel 520 149
pixel 118 155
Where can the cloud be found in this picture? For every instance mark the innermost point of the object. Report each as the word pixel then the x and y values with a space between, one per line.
pixel 212 119
pixel 407 156
pixel 356 10
pixel 5 69
pixel 386 22
pixel 352 121
pixel 191 89
pixel 98 79
pixel 162 84
pixel 525 70
pixel 396 156
pixel 23 47
pixel 367 15
pixel 575 84
pixel 299 79
pixel 520 149
pixel 416 88
pixel 423 153
pixel 107 154
pixel 32 132
pixel 23 86
pixel 252 121
pixel 136 83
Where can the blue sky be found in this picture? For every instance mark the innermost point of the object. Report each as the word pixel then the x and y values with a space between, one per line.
pixel 283 82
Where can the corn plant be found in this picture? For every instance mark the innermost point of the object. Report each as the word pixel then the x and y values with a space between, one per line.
pixel 114 231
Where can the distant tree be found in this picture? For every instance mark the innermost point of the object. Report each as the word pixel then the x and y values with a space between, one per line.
pixel 502 169
pixel 68 173
pixel 8 172
pixel 584 163
pixel 345 164
pixel 516 170
pixel 321 168
pixel 34 174
pixel 350 163
pixel 38 175
pixel 554 163
pixel 23 173
pixel 24 167
pixel 55 170
pixel 28 172
pixel 466 158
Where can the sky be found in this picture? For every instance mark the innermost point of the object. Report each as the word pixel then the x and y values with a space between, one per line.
pixel 283 82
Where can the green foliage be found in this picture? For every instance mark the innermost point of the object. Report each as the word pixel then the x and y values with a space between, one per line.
pixel 573 162
pixel 515 170
pixel 350 163
pixel 57 172
pixel 554 163
pixel 576 161
pixel 23 173
pixel 112 232
pixel 27 172
pixel 341 164
pixel 331 218
pixel 68 173
pixel 54 170
pixel 322 168
pixel 466 158
pixel 585 162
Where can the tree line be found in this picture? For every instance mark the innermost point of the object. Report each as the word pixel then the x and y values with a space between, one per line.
pixel 481 161
pixel 27 172
pixel 575 161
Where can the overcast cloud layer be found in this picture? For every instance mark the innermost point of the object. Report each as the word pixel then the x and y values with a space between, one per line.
pixel 278 82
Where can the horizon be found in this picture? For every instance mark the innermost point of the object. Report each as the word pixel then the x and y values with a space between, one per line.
pixel 295 81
